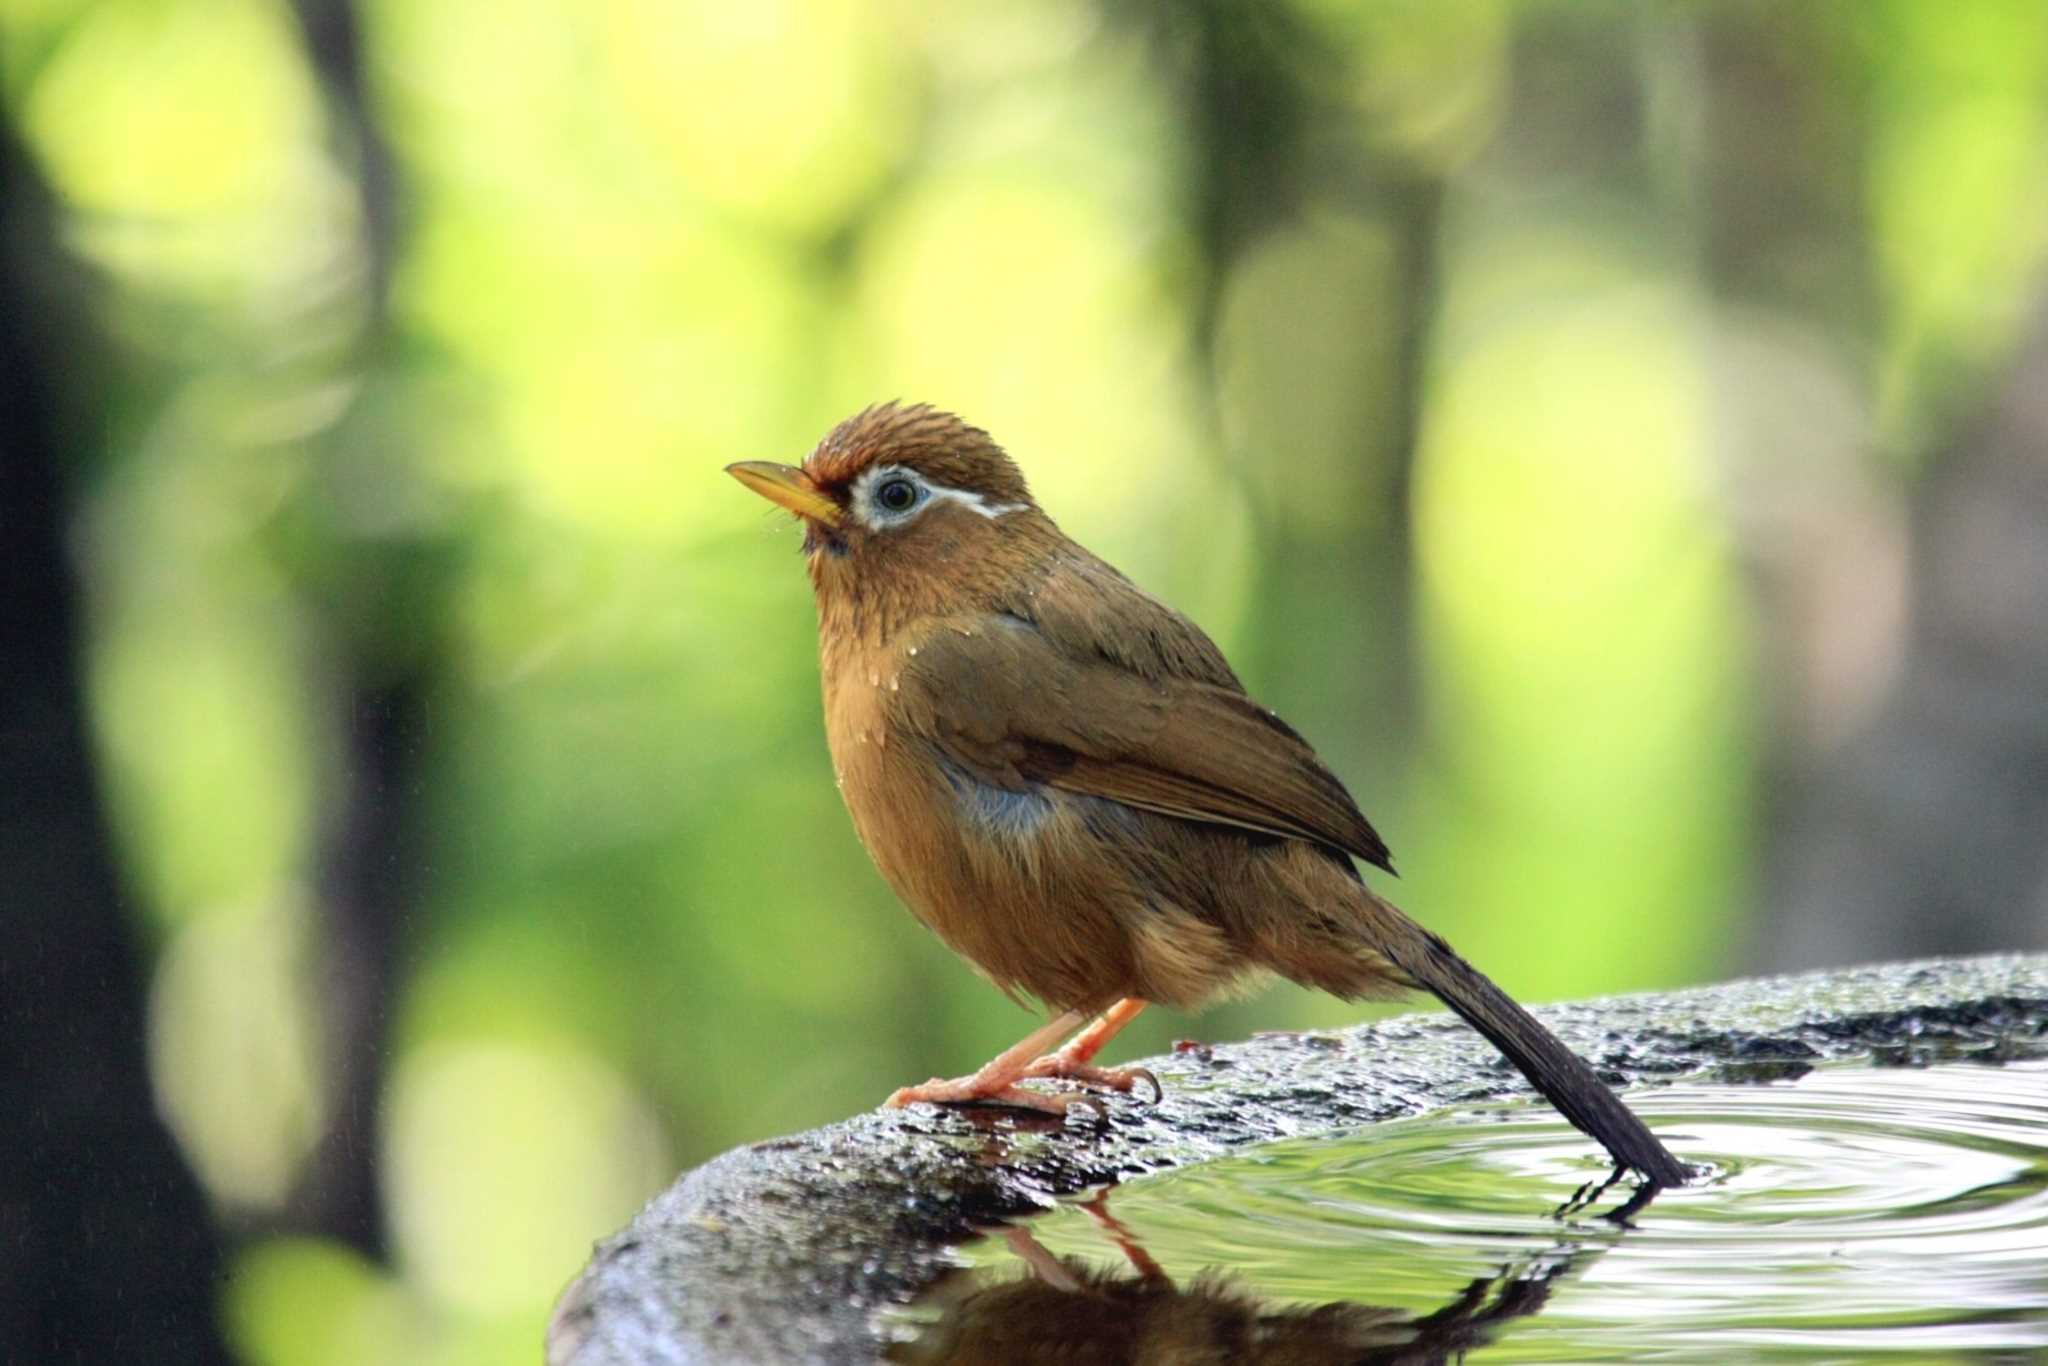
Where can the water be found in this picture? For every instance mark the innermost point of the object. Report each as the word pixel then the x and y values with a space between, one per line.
pixel 1851 1213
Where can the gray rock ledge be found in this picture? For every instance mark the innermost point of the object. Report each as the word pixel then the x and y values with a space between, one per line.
pixel 785 1250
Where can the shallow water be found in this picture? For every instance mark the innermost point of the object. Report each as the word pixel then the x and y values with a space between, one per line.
pixel 1852 1212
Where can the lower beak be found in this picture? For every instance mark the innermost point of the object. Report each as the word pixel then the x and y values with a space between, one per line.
pixel 787 486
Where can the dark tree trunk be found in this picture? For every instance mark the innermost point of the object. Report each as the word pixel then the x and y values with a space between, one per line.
pixel 1901 625
pixel 366 886
pixel 1927 830
pixel 1254 83
pixel 107 1247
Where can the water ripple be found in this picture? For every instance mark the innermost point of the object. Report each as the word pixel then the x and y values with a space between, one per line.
pixel 1854 1211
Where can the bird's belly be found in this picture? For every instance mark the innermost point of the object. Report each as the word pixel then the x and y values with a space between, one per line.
pixel 1028 885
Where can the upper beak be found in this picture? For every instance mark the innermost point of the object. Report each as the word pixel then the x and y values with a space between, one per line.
pixel 788 486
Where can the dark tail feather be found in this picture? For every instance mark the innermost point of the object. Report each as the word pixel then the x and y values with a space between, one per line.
pixel 1563 1078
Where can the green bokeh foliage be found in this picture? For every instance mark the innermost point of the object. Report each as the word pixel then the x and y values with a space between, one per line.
pixel 1425 432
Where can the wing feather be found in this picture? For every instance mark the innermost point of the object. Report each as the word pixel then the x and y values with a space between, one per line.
pixel 1003 700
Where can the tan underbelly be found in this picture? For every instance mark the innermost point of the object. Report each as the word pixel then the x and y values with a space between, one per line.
pixel 1019 883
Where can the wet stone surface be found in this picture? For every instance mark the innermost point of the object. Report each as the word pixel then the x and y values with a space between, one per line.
pixel 786 1250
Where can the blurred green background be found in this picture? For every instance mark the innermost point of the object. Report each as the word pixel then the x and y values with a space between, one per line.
pixel 1540 402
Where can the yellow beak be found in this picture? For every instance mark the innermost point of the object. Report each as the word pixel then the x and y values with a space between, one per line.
pixel 787 486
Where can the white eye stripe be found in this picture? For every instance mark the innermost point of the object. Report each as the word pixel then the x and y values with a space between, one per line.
pixel 940 493
pixel 875 517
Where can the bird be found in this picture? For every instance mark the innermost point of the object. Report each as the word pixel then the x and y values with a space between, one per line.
pixel 1074 1311
pixel 1063 778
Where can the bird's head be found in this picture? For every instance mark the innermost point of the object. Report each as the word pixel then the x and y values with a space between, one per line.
pixel 902 495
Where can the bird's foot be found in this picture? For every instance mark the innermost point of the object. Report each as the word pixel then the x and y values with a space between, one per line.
pixel 973 1090
pixel 1061 1066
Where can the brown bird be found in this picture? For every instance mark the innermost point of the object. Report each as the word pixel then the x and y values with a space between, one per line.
pixel 1064 780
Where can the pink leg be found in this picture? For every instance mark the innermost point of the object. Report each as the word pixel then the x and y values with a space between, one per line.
pixel 1043 1264
pixel 1148 1269
pixel 1073 1061
pixel 998 1077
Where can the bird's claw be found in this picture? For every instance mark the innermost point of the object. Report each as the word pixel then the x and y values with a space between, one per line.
pixel 1059 1067
pixel 966 1091
pixel 909 1095
pixel 1087 1102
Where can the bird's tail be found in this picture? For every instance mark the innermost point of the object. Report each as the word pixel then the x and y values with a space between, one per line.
pixel 1563 1078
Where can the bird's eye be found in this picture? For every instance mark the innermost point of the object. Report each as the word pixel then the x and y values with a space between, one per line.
pixel 896 495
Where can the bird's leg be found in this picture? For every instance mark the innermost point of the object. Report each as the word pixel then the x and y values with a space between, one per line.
pixel 1073 1061
pixel 1148 1269
pixel 998 1077
pixel 1043 1264
pixel 1082 1048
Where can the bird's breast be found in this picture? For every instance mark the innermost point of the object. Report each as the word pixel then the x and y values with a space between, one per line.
pixel 1063 895
pixel 921 813
pixel 881 777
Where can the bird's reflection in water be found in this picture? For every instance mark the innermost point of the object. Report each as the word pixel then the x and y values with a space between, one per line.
pixel 1061 1309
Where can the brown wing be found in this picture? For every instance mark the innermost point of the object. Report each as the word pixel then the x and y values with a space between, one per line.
pixel 1007 703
